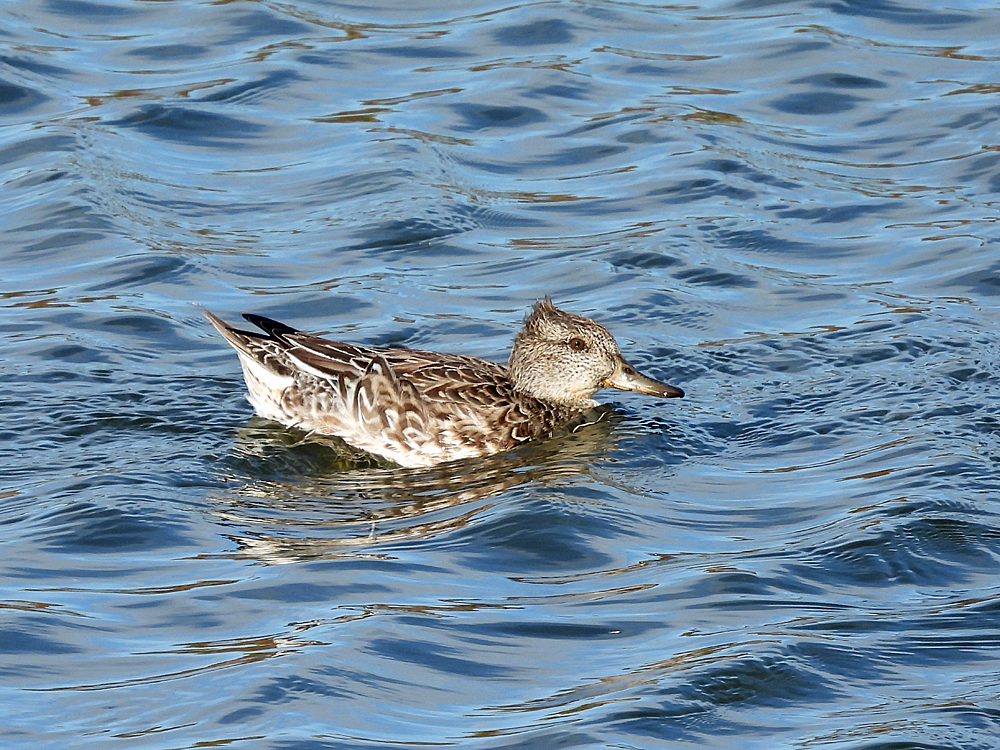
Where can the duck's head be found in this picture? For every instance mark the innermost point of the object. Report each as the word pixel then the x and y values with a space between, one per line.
pixel 565 359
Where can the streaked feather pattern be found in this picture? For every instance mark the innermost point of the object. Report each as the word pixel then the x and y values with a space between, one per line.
pixel 419 408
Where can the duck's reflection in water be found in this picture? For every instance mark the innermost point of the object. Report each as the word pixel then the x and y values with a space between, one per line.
pixel 300 497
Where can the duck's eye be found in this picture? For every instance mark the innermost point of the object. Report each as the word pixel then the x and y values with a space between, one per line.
pixel 577 344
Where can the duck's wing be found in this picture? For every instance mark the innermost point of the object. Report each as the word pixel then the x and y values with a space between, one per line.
pixel 435 376
pixel 414 407
pixel 285 350
pixel 419 408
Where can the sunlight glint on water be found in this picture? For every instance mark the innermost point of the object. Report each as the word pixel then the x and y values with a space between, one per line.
pixel 787 209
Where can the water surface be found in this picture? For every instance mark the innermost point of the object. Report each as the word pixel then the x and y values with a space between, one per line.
pixel 789 209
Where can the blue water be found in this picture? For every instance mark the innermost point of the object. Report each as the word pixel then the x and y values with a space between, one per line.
pixel 789 209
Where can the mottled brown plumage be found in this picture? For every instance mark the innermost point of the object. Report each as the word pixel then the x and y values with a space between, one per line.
pixel 419 408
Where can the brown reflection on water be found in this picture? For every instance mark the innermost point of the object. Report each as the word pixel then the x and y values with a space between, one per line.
pixel 301 497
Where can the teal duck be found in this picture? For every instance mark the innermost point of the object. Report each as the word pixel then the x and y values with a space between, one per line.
pixel 419 408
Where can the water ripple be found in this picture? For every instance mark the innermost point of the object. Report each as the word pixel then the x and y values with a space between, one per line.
pixel 786 208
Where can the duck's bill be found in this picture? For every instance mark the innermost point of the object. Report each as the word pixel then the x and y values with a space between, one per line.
pixel 626 378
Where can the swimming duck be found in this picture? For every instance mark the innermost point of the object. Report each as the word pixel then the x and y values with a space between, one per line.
pixel 419 408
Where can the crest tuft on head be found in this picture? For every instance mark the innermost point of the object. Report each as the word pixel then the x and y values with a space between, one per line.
pixel 544 315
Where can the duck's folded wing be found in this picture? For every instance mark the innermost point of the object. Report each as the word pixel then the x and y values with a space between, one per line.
pixel 435 376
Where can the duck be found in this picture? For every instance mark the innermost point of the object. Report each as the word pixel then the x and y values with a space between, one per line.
pixel 422 408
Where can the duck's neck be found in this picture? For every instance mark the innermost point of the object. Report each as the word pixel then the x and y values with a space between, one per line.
pixel 530 381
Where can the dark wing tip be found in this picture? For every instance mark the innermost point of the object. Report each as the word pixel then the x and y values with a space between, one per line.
pixel 272 327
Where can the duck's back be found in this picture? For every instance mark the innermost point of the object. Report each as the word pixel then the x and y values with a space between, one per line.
pixel 415 408
pixel 419 408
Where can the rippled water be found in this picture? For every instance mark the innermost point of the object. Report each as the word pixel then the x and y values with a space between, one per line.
pixel 789 209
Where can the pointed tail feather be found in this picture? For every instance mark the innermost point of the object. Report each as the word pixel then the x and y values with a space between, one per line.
pixel 240 340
